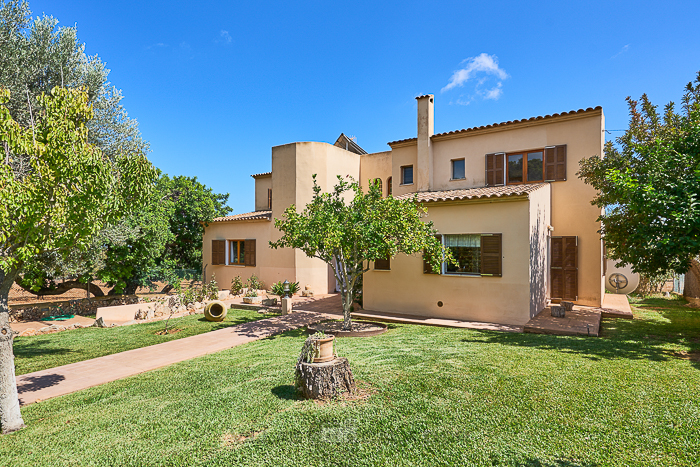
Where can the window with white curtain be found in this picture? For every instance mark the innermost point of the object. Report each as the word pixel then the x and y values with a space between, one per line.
pixel 466 249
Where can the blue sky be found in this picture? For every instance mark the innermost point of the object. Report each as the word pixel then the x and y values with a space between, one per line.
pixel 214 85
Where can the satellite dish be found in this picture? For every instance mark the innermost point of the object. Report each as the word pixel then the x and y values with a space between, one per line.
pixel 618 280
pixel 621 280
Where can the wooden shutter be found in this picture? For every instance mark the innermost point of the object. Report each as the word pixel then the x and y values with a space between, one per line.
pixel 495 169
pixel 249 252
pixel 383 264
pixel 218 251
pixel 269 199
pixel 491 256
pixel 564 268
pixel 555 163
pixel 426 265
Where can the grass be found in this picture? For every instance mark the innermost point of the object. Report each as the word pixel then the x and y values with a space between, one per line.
pixel 436 396
pixel 35 353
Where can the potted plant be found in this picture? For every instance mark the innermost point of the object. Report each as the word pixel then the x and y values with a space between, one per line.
pixel 251 296
pixel 322 347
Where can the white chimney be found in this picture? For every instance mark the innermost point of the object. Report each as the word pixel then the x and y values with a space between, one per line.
pixel 424 169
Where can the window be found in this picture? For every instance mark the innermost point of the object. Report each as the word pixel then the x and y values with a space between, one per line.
pixel 536 165
pixel 382 264
pixel 466 249
pixel 476 255
pixel 458 169
pixel 526 167
pixel 236 252
pixel 269 199
pixel 407 175
pixel 388 187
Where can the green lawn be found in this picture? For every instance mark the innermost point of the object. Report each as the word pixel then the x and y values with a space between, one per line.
pixel 436 397
pixel 36 353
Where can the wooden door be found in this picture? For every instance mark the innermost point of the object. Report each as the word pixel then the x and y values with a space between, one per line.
pixel 564 268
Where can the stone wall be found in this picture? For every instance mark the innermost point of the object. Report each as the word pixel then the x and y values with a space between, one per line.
pixel 34 312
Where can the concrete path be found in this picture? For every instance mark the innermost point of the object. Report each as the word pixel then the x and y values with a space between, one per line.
pixel 61 380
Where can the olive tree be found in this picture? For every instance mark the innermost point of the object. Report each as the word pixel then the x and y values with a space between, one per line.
pixel 57 191
pixel 348 228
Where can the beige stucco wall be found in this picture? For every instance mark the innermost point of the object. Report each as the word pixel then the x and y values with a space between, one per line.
pixel 327 162
pixel 405 289
pixel 291 181
pixel 262 184
pixel 571 211
pixel 376 165
pixel 269 267
pixel 540 209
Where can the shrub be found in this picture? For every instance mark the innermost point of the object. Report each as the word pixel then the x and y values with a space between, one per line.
pixel 278 288
pixel 255 283
pixel 236 286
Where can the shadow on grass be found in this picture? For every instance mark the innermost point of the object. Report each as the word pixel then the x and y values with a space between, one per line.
pixel 647 337
pixel 38 348
pixel 286 392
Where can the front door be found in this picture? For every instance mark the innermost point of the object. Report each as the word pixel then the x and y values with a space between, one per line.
pixel 564 268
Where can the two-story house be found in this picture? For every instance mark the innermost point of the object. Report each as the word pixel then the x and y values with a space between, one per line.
pixel 504 197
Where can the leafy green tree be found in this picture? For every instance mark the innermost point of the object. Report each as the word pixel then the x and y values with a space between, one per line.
pixel 347 228
pixel 192 206
pixel 36 56
pixel 649 186
pixel 57 191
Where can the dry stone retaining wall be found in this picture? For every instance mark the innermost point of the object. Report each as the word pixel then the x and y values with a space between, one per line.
pixel 34 312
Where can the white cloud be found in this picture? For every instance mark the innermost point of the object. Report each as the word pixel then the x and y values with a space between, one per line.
pixel 483 66
pixel 224 37
pixel 156 46
pixel 622 50
pixel 494 93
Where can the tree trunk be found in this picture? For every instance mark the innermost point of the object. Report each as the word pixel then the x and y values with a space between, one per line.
pixel 10 415
pixel 347 310
pixel 691 287
pixel 63 288
pixel 324 380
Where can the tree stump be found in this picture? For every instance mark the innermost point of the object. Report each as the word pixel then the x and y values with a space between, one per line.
pixel 324 380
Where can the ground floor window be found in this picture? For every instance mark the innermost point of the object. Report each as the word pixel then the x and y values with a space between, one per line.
pixel 236 252
pixel 466 249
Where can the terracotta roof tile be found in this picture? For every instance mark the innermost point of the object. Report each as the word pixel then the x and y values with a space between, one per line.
pixel 247 216
pixel 264 174
pixel 474 193
pixel 494 125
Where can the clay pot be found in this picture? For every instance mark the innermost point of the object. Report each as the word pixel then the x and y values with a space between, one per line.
pixel 323 350
pixel 215 311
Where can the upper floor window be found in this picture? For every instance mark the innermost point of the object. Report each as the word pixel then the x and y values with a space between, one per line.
pixel 526 167
pixel 458 169
pixel 269 199
pixel 533 166
pixel 407 175
pixel 388 186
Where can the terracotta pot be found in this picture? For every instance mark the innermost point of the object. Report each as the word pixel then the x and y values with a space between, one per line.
pixel 323 350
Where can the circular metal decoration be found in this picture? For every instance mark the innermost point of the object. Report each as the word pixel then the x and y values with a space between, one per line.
pixel 617 280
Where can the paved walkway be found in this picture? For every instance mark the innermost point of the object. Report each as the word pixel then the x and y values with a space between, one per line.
pixel 61 380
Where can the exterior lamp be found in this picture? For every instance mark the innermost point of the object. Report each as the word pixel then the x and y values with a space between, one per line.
pixel 286 289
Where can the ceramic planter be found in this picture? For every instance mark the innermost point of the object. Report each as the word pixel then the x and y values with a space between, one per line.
pixel 323 349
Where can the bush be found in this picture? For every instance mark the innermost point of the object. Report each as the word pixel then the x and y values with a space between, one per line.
pixel 278 288
pixel 255 283
pixel 236 286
